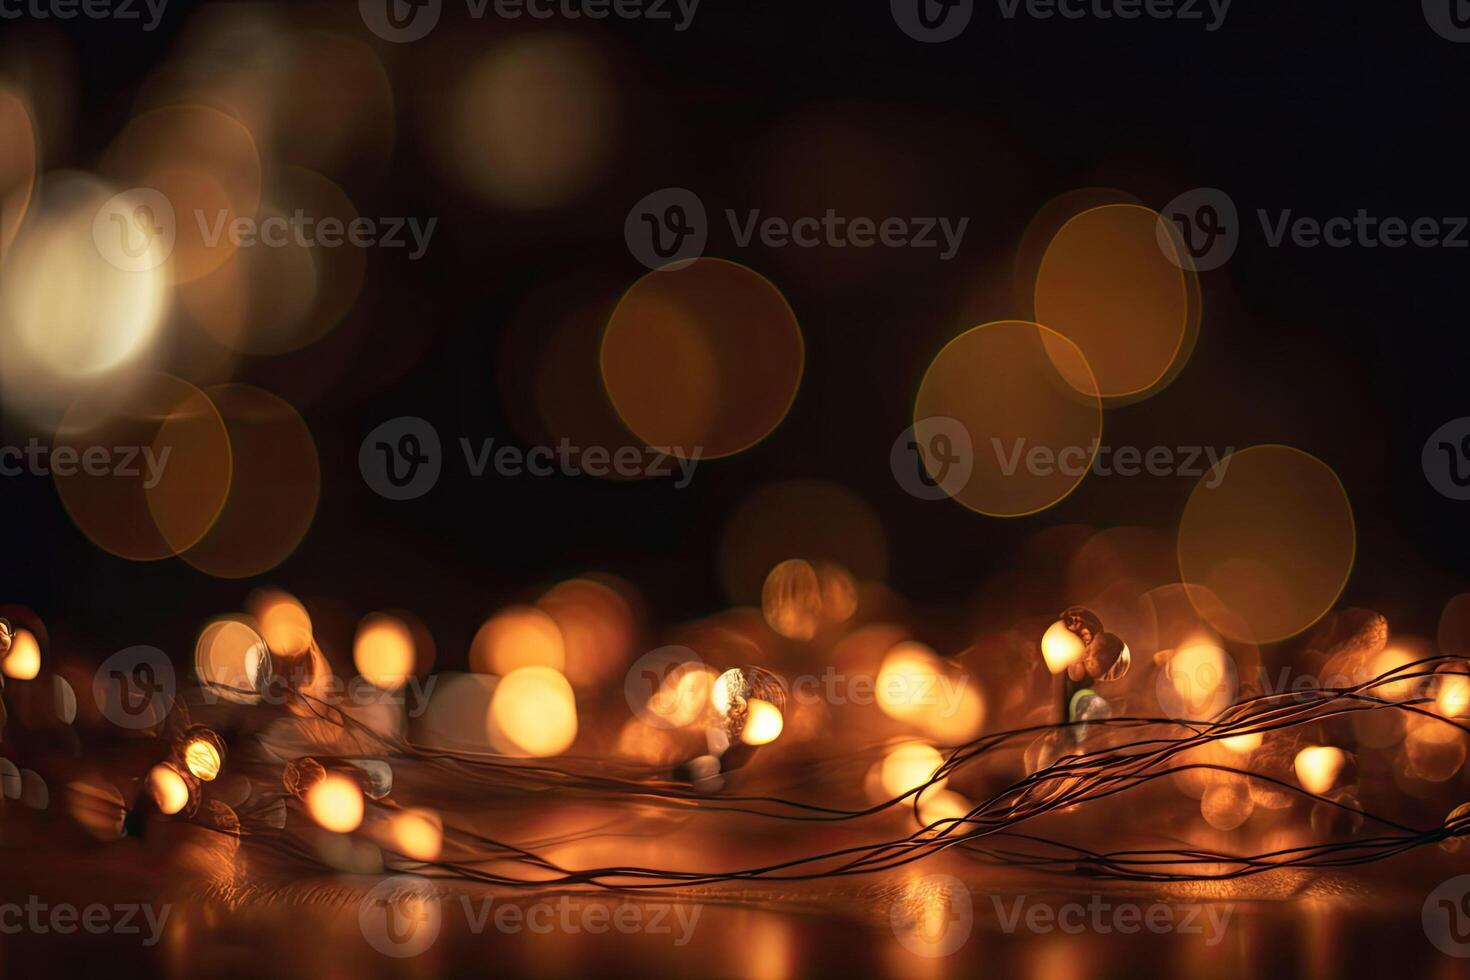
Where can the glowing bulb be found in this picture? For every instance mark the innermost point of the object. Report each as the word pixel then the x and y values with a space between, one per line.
pixel 168 788
pixel 534 712
pixel 336 803
pixel 1243 744
pixel 1060 647
pixel 1318 767
pixel 24 660
pixel 383 653
pixel 204 754
pixel 909 766
pixel 763 722
pixel 418 834
pixel 1453 696
pixel 735 692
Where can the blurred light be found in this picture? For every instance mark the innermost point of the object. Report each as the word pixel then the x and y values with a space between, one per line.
pixel 417 834
pixel 336 803
pixel 1060 647
pixel 284 622
pixel 1243 744
pixel 534 712
pixel 383 651
pixel 1318 767
pixel 202 756
pixel 937 805
pixel 909 766
pixel 169 789
pixel 232 660
pixel 763 722
pixel 23 662
pixel 791 600
pixel 521 636
pixel 1226 805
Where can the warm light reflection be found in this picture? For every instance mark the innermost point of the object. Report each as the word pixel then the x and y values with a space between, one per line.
pixel 23 662
pixel 1318 767
pixel 336 803
pixel 763 722
pixel 533 712
pixel 168 789
pixel 522 636
pixel 284 622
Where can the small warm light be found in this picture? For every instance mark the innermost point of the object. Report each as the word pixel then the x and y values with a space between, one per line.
pixel 944 804
pixel 1453 698
pixel 533 712
pixel 336 803
pixel 168 789
pixel 763 722
pixel 684 693
pixel 418 834
pixel 383 653
pixel 284 622
pixel 909 766
pixel 1060 647
pixel 522 636
pixel 791 599
pixel 908 681
pixel 202 758
pixel 1243 744
pixel 1318 767
pixel 24 660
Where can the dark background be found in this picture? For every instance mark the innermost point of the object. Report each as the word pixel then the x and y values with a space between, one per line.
pixel 1354 355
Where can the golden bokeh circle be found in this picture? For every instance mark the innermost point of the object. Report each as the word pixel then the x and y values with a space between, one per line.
pixel 708 357
pixel 1018 388
pixel 1272 542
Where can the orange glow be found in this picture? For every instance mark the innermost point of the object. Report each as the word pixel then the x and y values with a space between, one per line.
pixel 942 804
pixel 705 360
pixel 763 722
pixel 522 636
pixel 417 833
pixel 791 600
pixel 168 788
pixel 1060 647
pixel 284 622
pixel 533 712
pixel 383 651
pixel 203 759
pixel 1318 767
pixel 336 803
pixel 1243 744
pixel 23 662
pixel 909 766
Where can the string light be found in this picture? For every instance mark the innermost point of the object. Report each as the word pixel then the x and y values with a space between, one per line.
pixel 204 753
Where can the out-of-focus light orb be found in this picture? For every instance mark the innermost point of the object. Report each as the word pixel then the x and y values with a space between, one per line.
pixel 284 623
pixel 910 765
pixel 1107 287
pixel 203 755
pixel 791 600
pixel 1060 647
pixel 1034 427
pixel 232 660
pixel 23 662
pixel 1318 767
pixel 71 315
pixel 383 651
pixel 1394 660
pixel 521 636
pixel 704 361
pixel 735 694
pixel 336 803
pixel 9 780
pixel 534 712
pixel 1270 534
pixel 169 789
pixel 532 121
pixel 936 805
pixel 1226 805
pixel 1243 744
pixel 763 723
pixel 684 694
pixel 275 486
pixel 916 687
pixel 174 493
pixel 839 592
pixel 597 624
pixel 1452 693
pixel 417 834
pixel 1198 682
